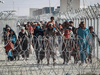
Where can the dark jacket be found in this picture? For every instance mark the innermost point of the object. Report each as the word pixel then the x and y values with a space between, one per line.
pixel 38 31
pixel 94 36
pixel 24 40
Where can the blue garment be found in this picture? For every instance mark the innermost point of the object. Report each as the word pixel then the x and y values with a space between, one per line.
pixel 38 31
pixel 9 53
pixel 54 29
pixel 67 21
pixel 13 39
pixel 83 41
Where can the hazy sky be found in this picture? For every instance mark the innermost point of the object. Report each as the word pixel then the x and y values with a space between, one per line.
pixel 22 6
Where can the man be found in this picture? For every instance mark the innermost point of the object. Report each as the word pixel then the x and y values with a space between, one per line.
pixel 60 27
pixel 65 25
pixel 50 33
pixel 30 28
pixel 93 34
pixel 39 24
pixel 73 28
pixel 24 42
pixel 83 34
pixel 38 30
pixel 93 42
pixel 52 21
pixel 44 26
pixel 22 34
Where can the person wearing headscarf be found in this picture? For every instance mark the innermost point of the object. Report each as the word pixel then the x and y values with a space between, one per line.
pixel 83 41
pixel 12 37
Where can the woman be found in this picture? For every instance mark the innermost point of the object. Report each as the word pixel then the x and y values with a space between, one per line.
pixel 12 37
pixel 83 35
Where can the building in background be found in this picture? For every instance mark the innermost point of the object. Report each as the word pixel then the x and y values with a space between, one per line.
pixel 56 10
pixel 32 11
pixel 65 5
pixel 39 11
pixel 36 11
pixel 46 10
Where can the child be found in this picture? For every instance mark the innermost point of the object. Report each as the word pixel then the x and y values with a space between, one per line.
pixel 17 50
pixel 9 48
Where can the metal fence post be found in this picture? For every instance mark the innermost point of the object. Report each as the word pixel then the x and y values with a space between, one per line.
pixel 97 34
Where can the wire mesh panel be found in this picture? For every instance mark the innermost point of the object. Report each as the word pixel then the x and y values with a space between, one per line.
pixel 66 60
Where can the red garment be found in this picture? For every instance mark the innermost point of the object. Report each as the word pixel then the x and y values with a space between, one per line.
pixel 67 34
pixel 9 46
pixel 71 48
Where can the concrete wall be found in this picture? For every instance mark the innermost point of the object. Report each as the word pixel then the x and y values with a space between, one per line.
pixel 11 23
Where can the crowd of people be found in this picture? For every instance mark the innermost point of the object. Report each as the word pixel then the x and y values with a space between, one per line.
pixel 72 41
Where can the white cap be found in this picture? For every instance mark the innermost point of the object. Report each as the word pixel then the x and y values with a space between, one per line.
pixel 22 27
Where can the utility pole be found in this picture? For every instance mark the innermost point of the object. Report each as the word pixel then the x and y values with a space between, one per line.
pixel 50 6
